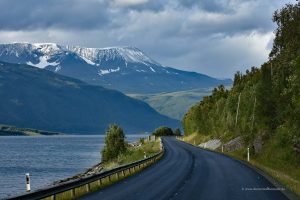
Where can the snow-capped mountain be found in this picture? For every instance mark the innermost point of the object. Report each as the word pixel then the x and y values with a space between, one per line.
pixel 127 69
pixel 100 57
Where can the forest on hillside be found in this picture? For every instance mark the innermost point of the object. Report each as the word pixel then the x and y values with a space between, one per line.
pixel 264 102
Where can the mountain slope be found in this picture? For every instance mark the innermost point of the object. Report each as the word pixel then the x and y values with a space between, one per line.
pixel 40 99
pixel 127 69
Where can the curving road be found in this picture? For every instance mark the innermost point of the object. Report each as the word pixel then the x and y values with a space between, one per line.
pixel 187 172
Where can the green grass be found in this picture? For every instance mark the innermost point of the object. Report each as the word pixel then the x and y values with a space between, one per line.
pixel 196 139
pixel 134 154
pixel 285 173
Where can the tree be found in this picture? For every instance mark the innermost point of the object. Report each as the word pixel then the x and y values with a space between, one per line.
pixel 163 131
pixel 114 143
pixel 287 37
pixel 266 108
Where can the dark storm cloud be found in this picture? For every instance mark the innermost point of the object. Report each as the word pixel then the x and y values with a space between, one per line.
pixel 153 5
pixel 208 5
pixel 62 14
pixel 217 37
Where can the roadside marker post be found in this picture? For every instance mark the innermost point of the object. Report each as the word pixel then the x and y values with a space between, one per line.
pixel 27 182
pixel 248 154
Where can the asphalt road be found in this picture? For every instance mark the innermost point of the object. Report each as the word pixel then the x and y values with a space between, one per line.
pixel 187 172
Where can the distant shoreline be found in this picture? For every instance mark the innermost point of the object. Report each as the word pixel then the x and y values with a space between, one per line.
pixel 7 130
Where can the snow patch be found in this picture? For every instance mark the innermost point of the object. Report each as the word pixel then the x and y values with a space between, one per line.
pixel 140 70
pixel 43 62
pixel 152 69
pixel 167 71
pixel 88 61
pixel 57 68
pixel 108 71
pixel 103 72
pixel 46 45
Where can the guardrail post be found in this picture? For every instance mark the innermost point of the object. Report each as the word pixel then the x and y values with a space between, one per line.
pixel 248 154
pixel 117 175
pixel 52 197
pixel 27 182
pixel 123 174
pixel 72 193
pixel 100 182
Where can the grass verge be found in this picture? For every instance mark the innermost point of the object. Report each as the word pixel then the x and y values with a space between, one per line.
pixel 134 153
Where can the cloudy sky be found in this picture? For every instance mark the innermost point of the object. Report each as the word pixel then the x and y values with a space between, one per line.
pixel 215 37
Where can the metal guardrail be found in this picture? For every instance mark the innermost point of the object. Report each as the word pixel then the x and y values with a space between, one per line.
pixel 52 192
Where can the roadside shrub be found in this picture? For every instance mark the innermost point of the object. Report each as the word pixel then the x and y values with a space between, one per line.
pixel 114 143
pixel 163 131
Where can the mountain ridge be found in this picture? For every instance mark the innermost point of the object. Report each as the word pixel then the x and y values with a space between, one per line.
pixel 126 69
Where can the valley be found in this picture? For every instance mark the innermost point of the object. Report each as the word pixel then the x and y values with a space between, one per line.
pixel 173 104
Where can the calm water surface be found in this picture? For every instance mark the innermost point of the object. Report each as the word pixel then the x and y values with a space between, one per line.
pixel 46 158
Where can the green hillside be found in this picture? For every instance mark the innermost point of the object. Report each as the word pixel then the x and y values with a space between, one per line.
pixel 263 104
pixel 40 99
pixel 173 104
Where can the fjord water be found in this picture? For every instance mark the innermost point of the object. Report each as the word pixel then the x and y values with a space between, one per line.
pixel 46 158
